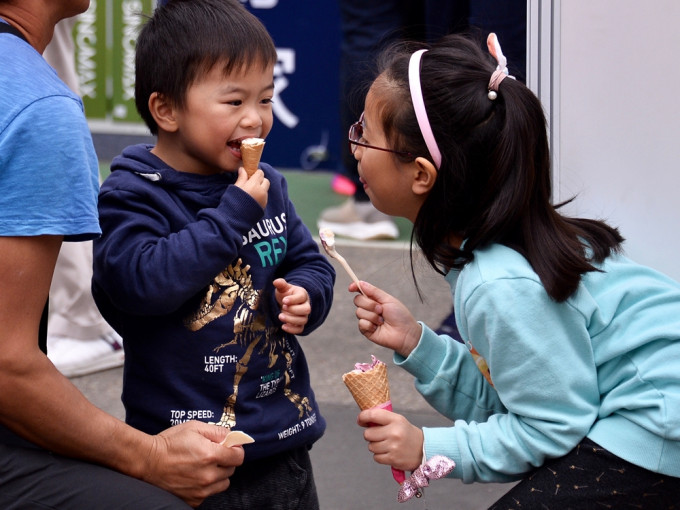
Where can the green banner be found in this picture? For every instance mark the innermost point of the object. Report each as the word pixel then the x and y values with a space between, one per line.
pixel 89 36
pixel 105 37
pixel 128 18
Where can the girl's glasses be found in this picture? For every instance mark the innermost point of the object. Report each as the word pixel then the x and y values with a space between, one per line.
pixel 356 133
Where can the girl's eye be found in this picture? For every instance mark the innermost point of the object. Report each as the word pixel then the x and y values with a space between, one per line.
pixel 269 100
pixel 235 102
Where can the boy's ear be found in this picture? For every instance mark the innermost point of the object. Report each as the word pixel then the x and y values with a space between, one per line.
pixel 425 176
pixel 163 112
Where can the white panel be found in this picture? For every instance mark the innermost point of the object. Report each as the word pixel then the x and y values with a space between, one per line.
pixel 615 117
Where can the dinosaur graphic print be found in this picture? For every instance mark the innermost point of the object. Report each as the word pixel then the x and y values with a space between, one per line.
pixel 232 289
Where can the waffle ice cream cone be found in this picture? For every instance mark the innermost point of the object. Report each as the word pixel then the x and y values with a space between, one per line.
pixel 251 152
pixel 368 384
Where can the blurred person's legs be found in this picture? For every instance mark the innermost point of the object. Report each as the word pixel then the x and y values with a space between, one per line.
pixel 60 53
pixel 79 340
pixel 366 28
pixel 507 19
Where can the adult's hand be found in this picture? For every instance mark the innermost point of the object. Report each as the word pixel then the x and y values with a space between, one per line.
pixel 189 461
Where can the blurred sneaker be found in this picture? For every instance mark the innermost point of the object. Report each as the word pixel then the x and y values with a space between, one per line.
pixel 81 357
pixel 358 220
pixel 342 185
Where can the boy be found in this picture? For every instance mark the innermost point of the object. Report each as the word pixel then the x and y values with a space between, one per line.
pixel 206 273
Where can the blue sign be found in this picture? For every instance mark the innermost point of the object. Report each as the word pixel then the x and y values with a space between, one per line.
pixel 306 132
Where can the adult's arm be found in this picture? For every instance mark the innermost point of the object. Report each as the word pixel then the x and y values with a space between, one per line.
pixel 40 404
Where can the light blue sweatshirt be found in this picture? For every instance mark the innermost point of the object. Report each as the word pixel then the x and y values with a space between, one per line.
pixel 604 364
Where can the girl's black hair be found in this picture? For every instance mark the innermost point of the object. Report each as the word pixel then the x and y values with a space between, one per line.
pixel 494 184
pixel 185 39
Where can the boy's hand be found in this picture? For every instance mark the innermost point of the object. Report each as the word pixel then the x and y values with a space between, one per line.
pixel 384 320
pixel 392 439
pixel 295 306
pixel 256 186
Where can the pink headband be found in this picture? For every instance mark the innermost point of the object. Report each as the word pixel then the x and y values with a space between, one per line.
pixel 501 71
pixel 419 107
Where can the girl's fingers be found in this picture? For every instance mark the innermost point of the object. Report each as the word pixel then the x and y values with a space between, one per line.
pixel 368 315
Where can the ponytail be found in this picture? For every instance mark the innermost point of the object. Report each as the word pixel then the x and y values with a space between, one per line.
pixel 494 183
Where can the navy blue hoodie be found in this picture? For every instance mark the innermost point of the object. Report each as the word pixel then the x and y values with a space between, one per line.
pixel 183 271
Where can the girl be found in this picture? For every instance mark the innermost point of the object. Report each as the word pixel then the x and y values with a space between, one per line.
pixel 569 374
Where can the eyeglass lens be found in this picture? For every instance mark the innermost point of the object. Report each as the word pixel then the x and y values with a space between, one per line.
pixel 356 131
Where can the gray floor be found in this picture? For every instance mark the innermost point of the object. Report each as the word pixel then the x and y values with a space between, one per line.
pixel 346 475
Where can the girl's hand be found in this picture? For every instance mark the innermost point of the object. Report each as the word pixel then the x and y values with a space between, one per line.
pixel 257 186
pixel 384 320
pixel 392 439
pixel 295 306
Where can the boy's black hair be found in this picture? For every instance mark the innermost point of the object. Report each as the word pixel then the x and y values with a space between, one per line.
pixel 494 183
pixel 185 39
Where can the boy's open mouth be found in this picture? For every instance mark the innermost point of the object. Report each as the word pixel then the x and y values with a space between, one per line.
pixel 235 147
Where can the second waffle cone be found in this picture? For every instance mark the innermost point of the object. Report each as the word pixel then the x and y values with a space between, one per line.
pixel 369 388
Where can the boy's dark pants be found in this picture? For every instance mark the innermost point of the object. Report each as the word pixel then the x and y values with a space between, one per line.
pixel 281 482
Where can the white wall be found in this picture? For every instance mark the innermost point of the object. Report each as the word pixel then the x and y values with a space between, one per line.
pixel 608 73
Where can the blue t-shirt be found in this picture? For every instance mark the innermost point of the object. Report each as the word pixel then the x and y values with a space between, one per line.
pixel 49 173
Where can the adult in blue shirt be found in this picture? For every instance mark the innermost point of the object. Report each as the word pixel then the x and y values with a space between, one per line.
pixel 56 448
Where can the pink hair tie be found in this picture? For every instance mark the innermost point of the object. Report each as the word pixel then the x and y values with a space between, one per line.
pixel 419 107
pixel 501 71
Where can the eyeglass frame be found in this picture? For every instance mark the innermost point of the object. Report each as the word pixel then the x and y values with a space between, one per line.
pixel 354 143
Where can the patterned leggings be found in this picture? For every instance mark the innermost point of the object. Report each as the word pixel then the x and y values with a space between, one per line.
pixel 592 478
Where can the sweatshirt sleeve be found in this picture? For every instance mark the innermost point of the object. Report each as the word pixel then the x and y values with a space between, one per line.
pixel 173 263
pixel 541 364
pixel 448 378
pixel 304 265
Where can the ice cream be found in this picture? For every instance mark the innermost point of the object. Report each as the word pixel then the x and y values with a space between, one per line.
pixel 251 152
pixel 328 242
pixel 369 386
pixel 327 236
